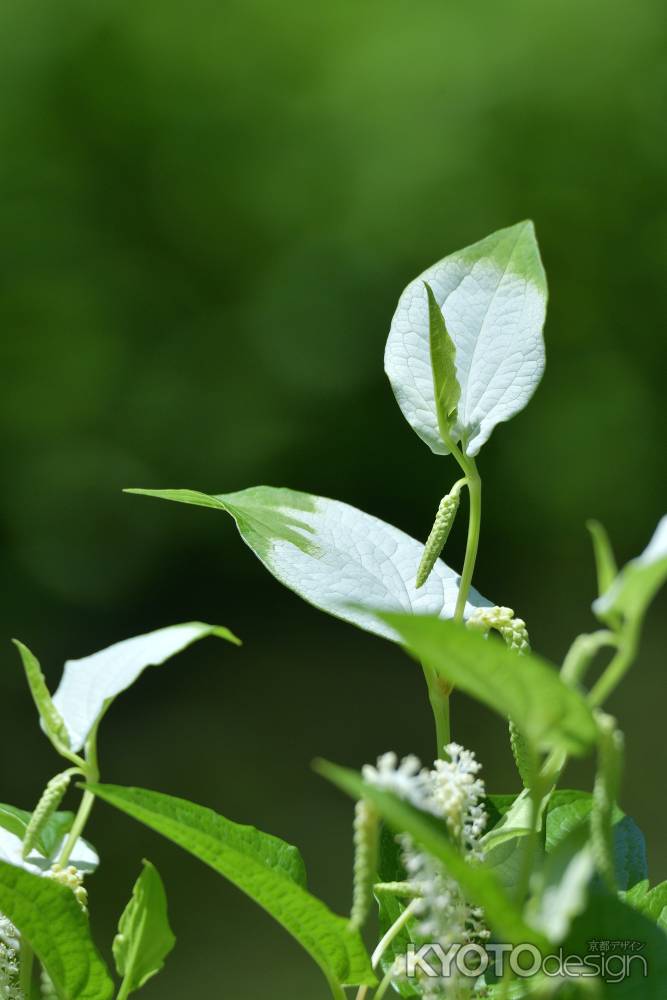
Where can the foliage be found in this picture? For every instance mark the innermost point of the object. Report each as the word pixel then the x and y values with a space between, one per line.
pixel 449 865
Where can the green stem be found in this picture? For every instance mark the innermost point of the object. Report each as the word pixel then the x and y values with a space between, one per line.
pixel 438 696
pixel 25 974
pixel 337 991
pixel 581 654
pixel 92 774
pixel 616 669
pixel 474 524
pixel 384 985
pixel 395 928
pixel 80 820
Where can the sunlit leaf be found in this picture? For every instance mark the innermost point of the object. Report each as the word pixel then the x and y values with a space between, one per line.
pixel 144 937
pixel 49 918
pixel 89 685
pixel 479 884
pixel 635 586
pixel 523 687
pixel 493 295
pixel 336 557
pixel 264 867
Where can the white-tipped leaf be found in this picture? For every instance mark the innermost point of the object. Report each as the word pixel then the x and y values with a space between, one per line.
pixel 493 297
pixel 334 556
pixel 90 684
pixel 635 586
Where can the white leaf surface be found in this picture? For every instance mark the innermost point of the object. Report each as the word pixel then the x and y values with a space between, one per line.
pixel 83 857
pixel 334 556
pixel 634 587
pixel 89 684
pixel 493 296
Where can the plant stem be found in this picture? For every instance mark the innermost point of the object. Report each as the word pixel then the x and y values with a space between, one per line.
pixel 80 820
pixel 438 695
pixel 474 524
pixel 92 774
pixel 397 926
pixel 627 650
pixel 384 985
pixel 337 991
pixel 25 974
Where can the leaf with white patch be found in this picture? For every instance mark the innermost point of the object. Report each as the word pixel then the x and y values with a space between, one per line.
pixel 635 586
pixel 89 685
pixel 493 297
pixel 337 558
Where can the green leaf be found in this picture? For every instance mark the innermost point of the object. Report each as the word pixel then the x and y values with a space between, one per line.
pixel 390 907
pixel 52 721
pixel 49 918
pixel 13 826
pixel 570 809
pixel 522 687
pixel 264 867
pixel 89 685
pixel 605 793
pixel 144 936
pixel 608 919
pixel 478 883
pixel 651 902
pixel 443 362
pixel 635 586
pixel 493 296
pixel 605 563
pixel 337 558
pixel 561 886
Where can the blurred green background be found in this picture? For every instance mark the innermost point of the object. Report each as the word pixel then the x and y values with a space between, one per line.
pixel 208 213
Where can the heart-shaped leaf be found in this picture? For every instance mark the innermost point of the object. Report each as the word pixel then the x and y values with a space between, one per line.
pixel 493 296
pixel 49 918
pixel 264 867
pixel 334 556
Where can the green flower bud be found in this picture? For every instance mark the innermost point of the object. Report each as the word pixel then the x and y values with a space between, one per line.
pixel 366 833
pixel 51 798
pixel 436 540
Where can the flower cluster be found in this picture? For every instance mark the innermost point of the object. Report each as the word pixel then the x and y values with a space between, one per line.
pixel 452 791
pixel 9 968
pixel 513 630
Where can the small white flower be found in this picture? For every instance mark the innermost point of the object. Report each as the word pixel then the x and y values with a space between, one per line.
pixel 9 966
pixel 454 792
pixel 407 779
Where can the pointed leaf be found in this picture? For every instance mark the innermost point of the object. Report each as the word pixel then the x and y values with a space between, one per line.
pixel 635 586
pixel 144 937
pixel 522 687
pixel 608 919
pixel 89 685
pixel 479 884
pixel 264 867
pixel 569 810
pixel 52 721
pixel 651 902
pixel 334 556
pixel 13 826
pixel 443 362
pixel 493 295
pixel 561 886
pixel 605 563
pixel 49 918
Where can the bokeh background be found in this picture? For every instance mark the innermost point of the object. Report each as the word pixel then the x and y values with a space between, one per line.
pixel 208 212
